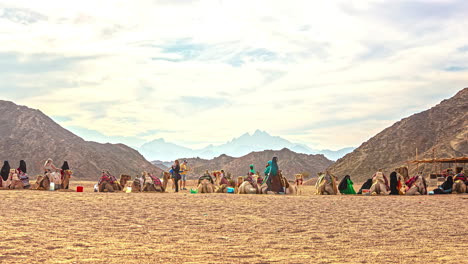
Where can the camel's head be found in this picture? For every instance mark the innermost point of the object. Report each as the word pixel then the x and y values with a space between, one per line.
pixel 240 180
pixel 125 177
pixel 39 178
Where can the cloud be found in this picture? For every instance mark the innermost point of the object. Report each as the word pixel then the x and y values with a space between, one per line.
pixel 181 70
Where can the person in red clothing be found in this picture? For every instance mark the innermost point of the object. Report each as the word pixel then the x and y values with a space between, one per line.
pixel 105 182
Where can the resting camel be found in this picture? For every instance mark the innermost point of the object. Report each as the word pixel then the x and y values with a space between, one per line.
pixel 138 183
pixel 459 187
pixel 403 171
pixel 123 179
pixel 205 186
pixel 42 183
pixel 246 188
pixel 326 185
pixel 419 186
pixel 379 185
pixel 159 186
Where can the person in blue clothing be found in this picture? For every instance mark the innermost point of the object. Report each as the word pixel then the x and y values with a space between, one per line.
pixel 272 177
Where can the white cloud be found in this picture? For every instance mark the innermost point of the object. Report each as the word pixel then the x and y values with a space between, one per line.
pixel 284 67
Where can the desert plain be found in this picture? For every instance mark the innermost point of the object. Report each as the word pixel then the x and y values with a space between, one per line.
pixel 89 227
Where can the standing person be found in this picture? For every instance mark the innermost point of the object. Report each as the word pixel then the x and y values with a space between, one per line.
pixel 23 175
pixel 267 179
pixel 65 175
pixel 176 168
pixel 183 173
pixel 5 173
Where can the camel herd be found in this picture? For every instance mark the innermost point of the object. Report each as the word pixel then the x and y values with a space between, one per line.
pixel 146 184
pixel 326 184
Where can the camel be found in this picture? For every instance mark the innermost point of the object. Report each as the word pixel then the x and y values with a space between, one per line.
pixel 42 183
pixel 123 180
pixel 246 188
pixel 299 182
pixel 106 187
pixel 205 186
pixel 403 171
pixel 419 186
pixel 138 184
pixel 459 187
pixel 159 186
pixel 288 188
pixel 326 185
pixel 378 184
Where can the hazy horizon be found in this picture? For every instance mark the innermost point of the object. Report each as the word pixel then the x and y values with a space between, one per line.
pixel 329 75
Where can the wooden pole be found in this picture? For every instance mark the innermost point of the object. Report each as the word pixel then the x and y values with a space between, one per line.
pixel 417 167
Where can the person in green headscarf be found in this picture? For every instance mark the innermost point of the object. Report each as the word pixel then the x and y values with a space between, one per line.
pixel 346 186
pixel 252 171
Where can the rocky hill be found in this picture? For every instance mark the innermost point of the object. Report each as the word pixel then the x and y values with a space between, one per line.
pixel 31 135
pixel 288 161
pixel 444 128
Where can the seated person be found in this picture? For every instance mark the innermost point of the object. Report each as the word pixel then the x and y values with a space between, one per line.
pixel 366 186
pixel 346 186
pixel 446 187
pixel 460 176
pixel 106 182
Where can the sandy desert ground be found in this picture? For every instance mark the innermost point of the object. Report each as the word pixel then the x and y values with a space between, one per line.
pixel 70 227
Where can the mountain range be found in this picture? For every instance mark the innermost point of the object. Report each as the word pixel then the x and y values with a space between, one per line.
pixel 440 132
pixel 258 141
pixel 289 162
pixel 28 134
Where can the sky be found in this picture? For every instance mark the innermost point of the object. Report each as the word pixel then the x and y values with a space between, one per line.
pixel 329 74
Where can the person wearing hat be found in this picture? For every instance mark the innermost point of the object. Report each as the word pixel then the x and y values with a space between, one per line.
pixel 183 173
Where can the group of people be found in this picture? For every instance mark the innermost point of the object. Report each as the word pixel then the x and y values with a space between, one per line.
pixel 179 173
pixel 400 183
pixel 14 178
pixel 18 178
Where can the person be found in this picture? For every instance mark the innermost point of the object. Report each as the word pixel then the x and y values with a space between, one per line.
pixel 16 183
pixel 223 179
pixel 23 175
pixel 273 180
pixel 49 166
pixel 177 177
pixel 394 183
pixel 346 186
pixel 460 176
pixel 5 173
pixel 251 171
pixel 183 173
pixel 51 171
pixel 446 187
pixel 63 171
pixel 267 177
pixel 366 186
pixel 105 182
